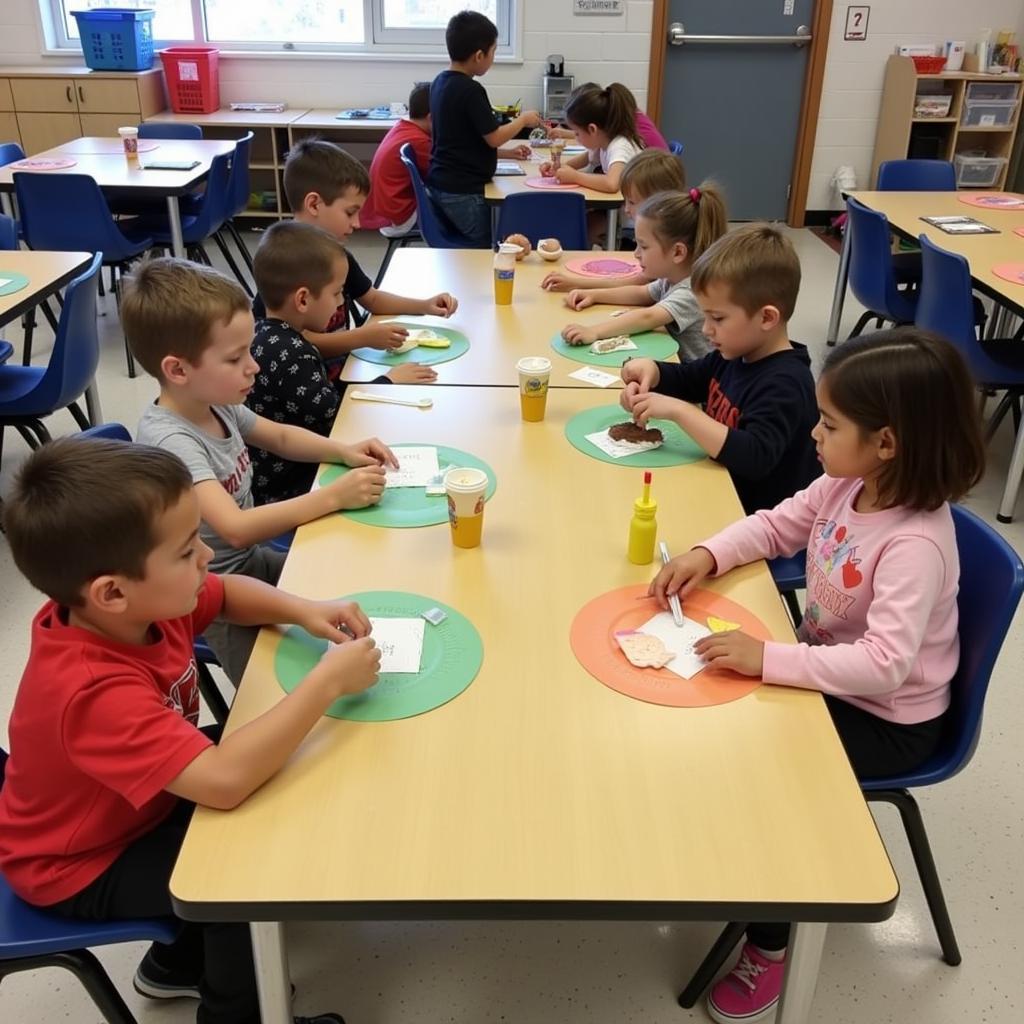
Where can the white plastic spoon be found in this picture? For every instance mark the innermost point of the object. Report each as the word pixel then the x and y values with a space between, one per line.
pixel 416 403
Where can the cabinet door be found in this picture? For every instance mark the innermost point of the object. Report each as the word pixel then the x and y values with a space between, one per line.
pixel 48 95
pixel 107 96
pixel 100 125
pixel 6 99
pixel 9 127
pixel 44 131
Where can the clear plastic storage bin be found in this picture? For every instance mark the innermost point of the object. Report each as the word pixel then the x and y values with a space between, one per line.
pixel 988 113
pixel 992 90
pixel 978 171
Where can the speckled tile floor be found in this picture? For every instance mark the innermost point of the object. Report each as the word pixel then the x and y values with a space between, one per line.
pixel 570 973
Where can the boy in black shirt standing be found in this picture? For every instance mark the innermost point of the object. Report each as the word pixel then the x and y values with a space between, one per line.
pixel 467 139
pixel 756 386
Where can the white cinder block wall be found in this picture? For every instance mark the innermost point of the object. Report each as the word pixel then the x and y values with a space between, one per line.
pixel 602 49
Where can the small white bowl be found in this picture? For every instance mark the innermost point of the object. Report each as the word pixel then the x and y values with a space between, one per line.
pixel 549 255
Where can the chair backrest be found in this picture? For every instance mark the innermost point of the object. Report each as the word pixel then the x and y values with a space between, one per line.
pixel 67 213
pixel 169 130
pixel 916 176
pixel 238 181
pixel 215 206
pixel 675 148
pixel 9 152
pixel 872 279
pixel 8 233
pixel 436 232
pixel 108 432
pixel 561 215
pixel 76 348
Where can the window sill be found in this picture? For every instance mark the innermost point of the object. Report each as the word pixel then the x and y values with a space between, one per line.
pixel 349 56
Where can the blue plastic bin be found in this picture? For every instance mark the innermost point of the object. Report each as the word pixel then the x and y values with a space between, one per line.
pixel 116 38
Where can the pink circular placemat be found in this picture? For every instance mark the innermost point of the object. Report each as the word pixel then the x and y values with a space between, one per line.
pixel 1013 272
pixel 602 266
pixel 551 183
pixel 43 165
pixel 993 200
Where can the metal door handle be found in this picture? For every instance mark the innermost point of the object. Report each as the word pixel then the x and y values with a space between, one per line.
pixel 67 92
pixel 81 95
pixel 677 37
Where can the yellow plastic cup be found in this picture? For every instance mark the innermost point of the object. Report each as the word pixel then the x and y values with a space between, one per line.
pixel 466 490
pixel 534 376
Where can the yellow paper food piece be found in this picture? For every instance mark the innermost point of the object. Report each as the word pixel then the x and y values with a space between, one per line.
pixel 721 625
pixel 426 338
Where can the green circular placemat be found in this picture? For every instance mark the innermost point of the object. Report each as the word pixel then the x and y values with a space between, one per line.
pixel 652 345
pixel 425 356
pixel 13 282
pixel 411 506
pixel 452 655
pixel 677 450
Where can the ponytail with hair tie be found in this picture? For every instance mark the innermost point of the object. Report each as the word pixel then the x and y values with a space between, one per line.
pixel 695 195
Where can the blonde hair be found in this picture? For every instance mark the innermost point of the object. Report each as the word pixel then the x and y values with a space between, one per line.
pixel 653 171
pixel 696 218
pixel 292 255
pixel 169 306
pixel 613 110
pixel 759 266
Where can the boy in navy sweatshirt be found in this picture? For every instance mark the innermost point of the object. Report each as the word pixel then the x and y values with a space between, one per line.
pixel 756 385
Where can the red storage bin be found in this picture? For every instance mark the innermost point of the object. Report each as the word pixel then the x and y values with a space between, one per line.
pixel 193 84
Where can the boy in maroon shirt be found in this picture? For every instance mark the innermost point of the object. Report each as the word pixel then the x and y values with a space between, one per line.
pixel 106 758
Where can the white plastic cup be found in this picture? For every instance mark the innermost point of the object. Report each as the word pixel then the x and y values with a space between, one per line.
pixel 130 142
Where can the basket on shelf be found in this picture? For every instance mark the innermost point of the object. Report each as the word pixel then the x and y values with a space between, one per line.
pixel 116 38
pixel 193 84
pixel 929 65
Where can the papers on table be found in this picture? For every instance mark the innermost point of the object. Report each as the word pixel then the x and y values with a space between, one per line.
pixel 5 281
pixel 508 167
pixel 960 225
pixel 620 449
pixel 592 375
pixel 400 642
pixel 679 640
pixel 415 468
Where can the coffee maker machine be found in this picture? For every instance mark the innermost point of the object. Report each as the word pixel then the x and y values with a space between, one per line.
pixel 557 86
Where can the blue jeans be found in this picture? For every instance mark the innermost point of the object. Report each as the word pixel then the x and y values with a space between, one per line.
pixel 469 215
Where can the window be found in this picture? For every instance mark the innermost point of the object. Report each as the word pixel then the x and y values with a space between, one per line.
pixel 313 25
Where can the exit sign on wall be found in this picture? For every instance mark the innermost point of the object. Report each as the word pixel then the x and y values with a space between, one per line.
pixel 597 6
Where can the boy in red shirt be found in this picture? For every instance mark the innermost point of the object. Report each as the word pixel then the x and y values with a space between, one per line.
pixel 106 758
pixel 391 205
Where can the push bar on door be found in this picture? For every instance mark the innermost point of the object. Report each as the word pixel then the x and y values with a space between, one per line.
pixel 677 37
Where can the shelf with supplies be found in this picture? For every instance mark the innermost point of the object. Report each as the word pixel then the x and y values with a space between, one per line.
pixel 975 122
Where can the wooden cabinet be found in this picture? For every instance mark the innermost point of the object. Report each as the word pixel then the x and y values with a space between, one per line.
pixel 41 109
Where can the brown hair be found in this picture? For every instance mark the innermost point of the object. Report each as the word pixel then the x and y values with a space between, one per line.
pixel 759 266
pixel 653 171
pixel 919 386
pixel 613 110
pixel 696 218
pixel 85 508
pixel 292 255
pixel 419 101
pixel 169 307
pixel 316 165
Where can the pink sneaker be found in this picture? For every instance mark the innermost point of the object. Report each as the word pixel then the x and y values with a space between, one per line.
pixel 750 991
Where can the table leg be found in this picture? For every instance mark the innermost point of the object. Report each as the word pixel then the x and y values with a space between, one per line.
pixel 7 204
pixel 271 972
pixel 613 229
pixel 93 411
pixel 803 957
pixel 174 216
pixel 1013 476
pixel 839 294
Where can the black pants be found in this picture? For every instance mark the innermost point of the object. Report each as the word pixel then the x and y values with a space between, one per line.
pixel 874 747
pixel 219 956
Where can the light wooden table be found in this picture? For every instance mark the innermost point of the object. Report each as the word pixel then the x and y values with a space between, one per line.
pixel 539 793
pixel 499 336
pixel 504 185
pixel 227 118
pixel 113 173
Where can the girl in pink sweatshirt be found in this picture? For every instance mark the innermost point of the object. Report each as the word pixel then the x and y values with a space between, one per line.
pixel 899 437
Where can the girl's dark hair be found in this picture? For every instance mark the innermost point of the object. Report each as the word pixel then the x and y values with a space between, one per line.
pixel 919 386
pixel 613 110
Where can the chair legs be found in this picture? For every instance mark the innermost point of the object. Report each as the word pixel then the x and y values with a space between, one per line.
pixel 796 613
pixel 240 242
pixel 115 286
pixel 230 260
pixel 712 963
pixel 865 318
pixel 913 824
pixel 393 244
pixel 89 971
pixel 80 418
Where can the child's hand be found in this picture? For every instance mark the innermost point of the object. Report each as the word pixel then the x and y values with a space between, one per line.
pixel 337 621
pixel 733 650
pixel 639 376
pixel 547 169
pixel 651 406
pixel 577 334
pixel 580 298
pixel 352 667
pixel 411 373
pixel 382 336
pixel 520 152
pixel 370 452
pixel 681 575
pixel 567 175
pixel 531 118
pixel 556 281
pixel 441 304
pixel 358 488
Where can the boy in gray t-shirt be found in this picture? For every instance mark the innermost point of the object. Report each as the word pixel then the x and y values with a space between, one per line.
pixel 190 327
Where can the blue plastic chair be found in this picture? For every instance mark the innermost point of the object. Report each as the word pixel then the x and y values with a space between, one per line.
pixel 916 176
pixel 789 576
pixel 31 938
pixel 238 189
pixel 30 393
pixel 9 152
pixel 437 232
pixel 67 213
pixel 991 584
pixel 8 243
pixel 561 215
pixel 169 130
pixel 675 148
pixel 872 272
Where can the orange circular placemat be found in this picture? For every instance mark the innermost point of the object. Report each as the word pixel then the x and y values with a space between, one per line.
pixel 548 183
pixel 993 200
pixel 593 642
pixel 1013 272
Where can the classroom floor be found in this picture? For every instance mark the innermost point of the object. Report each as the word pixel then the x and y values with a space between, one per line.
pixel 571 973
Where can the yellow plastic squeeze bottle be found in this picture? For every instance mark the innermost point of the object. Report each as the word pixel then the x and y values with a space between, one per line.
pixel 643 528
